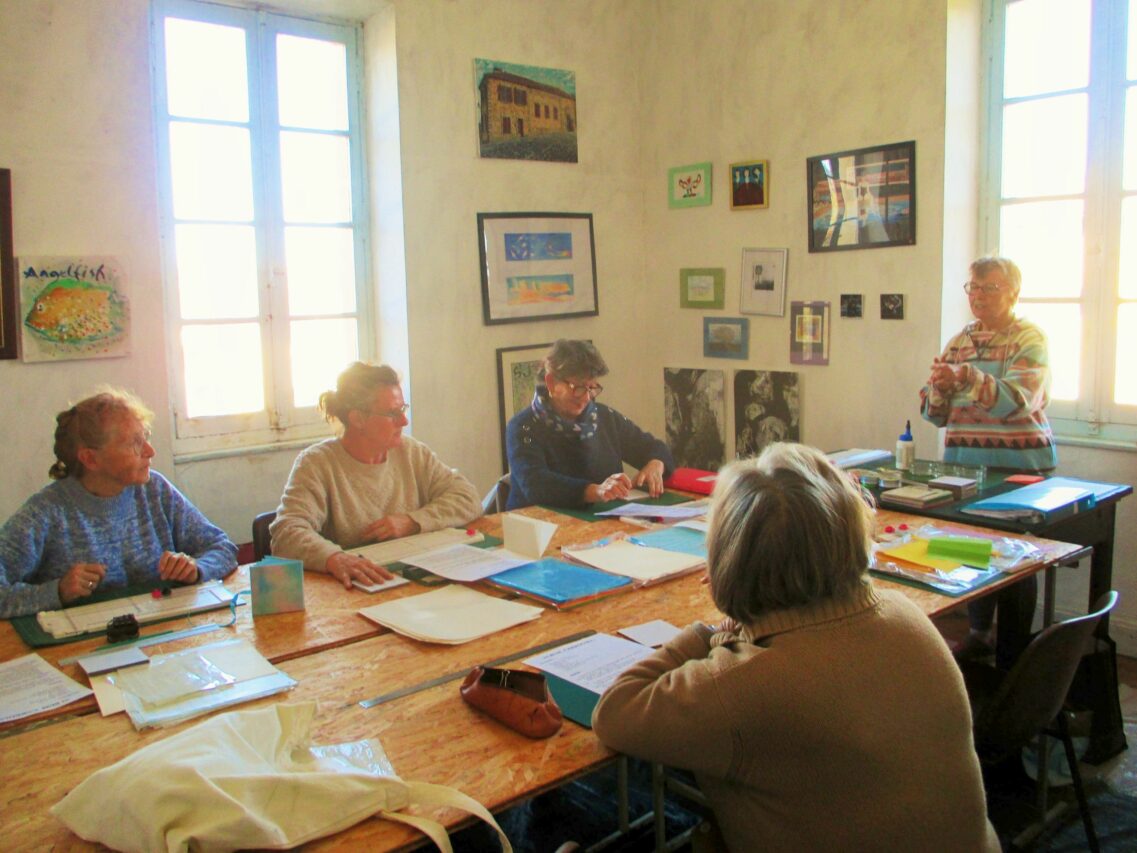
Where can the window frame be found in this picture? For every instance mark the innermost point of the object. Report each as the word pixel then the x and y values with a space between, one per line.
pixel 280 424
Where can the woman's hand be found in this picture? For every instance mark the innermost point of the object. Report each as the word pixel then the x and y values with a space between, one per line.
pixel 616 486
pixel 391 527
pixel 81 581
pixel 346 568
pixel 943 378
pixel 651 477
pixel 176 566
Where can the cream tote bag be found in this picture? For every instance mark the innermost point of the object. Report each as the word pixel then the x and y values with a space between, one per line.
pixel 249 779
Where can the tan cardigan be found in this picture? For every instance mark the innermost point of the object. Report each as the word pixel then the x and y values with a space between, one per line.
pixel 842 725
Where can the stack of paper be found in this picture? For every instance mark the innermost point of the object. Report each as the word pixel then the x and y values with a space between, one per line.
pixel 397 550
pixel 960 487
pixel 857 456
pixel 639 562
pixel 916 497
pixel 452 614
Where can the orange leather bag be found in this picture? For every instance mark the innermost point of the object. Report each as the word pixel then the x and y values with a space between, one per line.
pixel 518 698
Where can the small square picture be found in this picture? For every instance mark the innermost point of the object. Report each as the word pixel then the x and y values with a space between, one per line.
pixel 892 306
pixel 852 305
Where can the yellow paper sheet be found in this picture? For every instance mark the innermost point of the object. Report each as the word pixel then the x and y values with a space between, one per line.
pixel 916 551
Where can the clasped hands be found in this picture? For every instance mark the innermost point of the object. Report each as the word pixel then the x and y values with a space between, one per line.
pixel 347 568
pixel 650 477
pixel 83 578
pixel 947 378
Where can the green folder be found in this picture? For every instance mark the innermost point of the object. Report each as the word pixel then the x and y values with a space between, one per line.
pixel 971 550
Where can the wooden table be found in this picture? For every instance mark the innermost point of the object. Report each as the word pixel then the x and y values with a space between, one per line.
pixel 430 735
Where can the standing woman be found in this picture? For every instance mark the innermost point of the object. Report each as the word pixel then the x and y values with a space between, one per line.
pixel 108 520
pixel 989 390
pixel 817 685
pixel 568 450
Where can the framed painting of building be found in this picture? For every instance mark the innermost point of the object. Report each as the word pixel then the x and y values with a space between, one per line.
pixel 537 266
pixel 525 112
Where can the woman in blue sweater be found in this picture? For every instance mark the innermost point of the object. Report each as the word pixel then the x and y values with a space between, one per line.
pixel 107 520
pixel 568 450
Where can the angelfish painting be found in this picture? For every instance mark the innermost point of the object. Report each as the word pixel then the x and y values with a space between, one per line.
pixel 73 308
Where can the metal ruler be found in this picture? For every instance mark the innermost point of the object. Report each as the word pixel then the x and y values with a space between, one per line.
pixel 149 640
pixel 454 676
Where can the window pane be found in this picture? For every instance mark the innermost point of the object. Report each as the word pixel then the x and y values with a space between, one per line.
pixel 321 270
pixel 212 173
pixel 217 271
pixel 1127 286
pixel 316 176
pixel 1125 378
pixel 1045 240
pixel 1132 42
pixel 1063 326
pixel 312 77
pixel 1129 173
pixel 320 350
pixel 205 71
pixel 223 370
pixel 1048 46
pixel 1044 147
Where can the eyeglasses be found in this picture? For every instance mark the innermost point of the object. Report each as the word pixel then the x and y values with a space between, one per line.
pixel 396 412
pixel 976 287
pixel 137 444
pixel 578 391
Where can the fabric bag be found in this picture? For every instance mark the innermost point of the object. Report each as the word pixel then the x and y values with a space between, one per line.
pixel 249 779
pixel 516 697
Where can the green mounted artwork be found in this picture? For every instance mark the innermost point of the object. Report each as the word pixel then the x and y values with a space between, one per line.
pixel 702 287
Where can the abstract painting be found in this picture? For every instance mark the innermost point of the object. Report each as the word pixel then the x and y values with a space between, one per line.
pixel 695 413
pixel 767 408
pixel 809 333
pixel 73 307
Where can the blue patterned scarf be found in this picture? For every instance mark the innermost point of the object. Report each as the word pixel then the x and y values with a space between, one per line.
pixel 583 428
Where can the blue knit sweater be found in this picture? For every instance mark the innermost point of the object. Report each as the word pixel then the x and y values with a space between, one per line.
pixel 555 469
pixel 63 524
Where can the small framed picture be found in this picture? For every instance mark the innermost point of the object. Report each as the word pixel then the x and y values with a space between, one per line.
pixel 749 185
pixel 852 305
pixel 702 287
pixel 809 333
pixel 689 186
pixel 726 337
pixel 763 282
pixel 518 372
pixel 892 306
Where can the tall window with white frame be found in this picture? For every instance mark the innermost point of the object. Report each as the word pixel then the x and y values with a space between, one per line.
pixel 1062 195
pixel 264 221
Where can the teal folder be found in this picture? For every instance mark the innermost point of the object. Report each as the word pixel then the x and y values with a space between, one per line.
pixel 683 540
pixel 575 702
pixel 559 583
pixel 1051 500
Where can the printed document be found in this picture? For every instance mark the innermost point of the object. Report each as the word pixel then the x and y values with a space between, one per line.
pixel 465 563
pixel 31 684
pixel 592 663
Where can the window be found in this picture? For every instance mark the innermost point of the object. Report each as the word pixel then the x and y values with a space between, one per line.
pixel 1062 194
pixel 264 223
pixel 505 125
pixel 505 94
pixel 520 97
pixel 537 110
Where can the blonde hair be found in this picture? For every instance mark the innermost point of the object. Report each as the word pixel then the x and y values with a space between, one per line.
pixel 787 528
pixel 87 424
pixel 355 387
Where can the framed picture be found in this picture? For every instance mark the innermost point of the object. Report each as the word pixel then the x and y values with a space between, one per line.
pixel 9 348
pixel 695 414
pixel 537 266
pixel 892 306
pixel 852 304
pixel 726 337
pixel 749 185
pixel 525 112
pixel 702 287
pixel 518 370
pixel 767 409
pixel 763 282
pixel 809 333
pixel 862 199
pixel 689 186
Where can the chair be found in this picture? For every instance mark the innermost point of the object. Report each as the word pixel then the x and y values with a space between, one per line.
pixel 262 542
pixel 497 497
pixel 1012 710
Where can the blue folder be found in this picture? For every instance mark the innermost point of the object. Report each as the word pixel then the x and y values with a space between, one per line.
pixel 1050 500
pixel 683 540
pixel 558 583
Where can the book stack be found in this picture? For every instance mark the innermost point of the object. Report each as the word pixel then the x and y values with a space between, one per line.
pixel 960 487
pixel 916 497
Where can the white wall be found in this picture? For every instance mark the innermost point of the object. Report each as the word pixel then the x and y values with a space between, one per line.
pixel 660 83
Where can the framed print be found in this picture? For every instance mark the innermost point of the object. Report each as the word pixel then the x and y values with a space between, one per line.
pixel 73 307
pixel 694 403
pixel 518 371
pixel 852 304
pixel 726 337
pixel 809 333
pixel 9 348
pixel 763 282
pixel 862 199
pixel 702 287
pixel 749 185
pixel 767 409
pixel 537 266
pixel 892 306
pixel 525 112
pixel 689 186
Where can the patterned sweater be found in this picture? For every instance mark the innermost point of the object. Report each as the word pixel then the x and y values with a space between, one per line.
pixel 997 418
pixel 63 524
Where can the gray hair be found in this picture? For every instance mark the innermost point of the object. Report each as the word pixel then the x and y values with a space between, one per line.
pixel 787 528
pixel 86 424
pixel 992 263
pixel 355 388
pixel 568 358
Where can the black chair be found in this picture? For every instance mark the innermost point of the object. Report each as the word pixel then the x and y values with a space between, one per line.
pixel 497 497
pixel 262 542
pixel 1013 709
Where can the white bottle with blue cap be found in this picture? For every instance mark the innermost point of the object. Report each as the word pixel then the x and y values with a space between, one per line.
pixel 905 448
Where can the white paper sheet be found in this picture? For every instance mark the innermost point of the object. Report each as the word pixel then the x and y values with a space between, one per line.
pixel 640 562
pixel 452 614
pixel 527 537
pixel 465 563
pixel 107 695
pixel 397 550
pixel 379 587
pixel 29 684
pixel 109 661
pixel 654 633
pixel 592 663
pixel 688 510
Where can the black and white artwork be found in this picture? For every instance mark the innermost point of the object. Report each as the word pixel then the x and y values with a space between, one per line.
pixel 852 304
pixel 695 411
pixel 767 409
pixel 892 306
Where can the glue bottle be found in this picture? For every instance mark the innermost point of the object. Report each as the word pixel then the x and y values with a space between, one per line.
pixel 905 448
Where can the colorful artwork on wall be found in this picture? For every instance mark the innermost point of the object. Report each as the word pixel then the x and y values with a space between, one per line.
pixel 73 307
pixel 809 333
pixel 525 112
pixel 695 413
